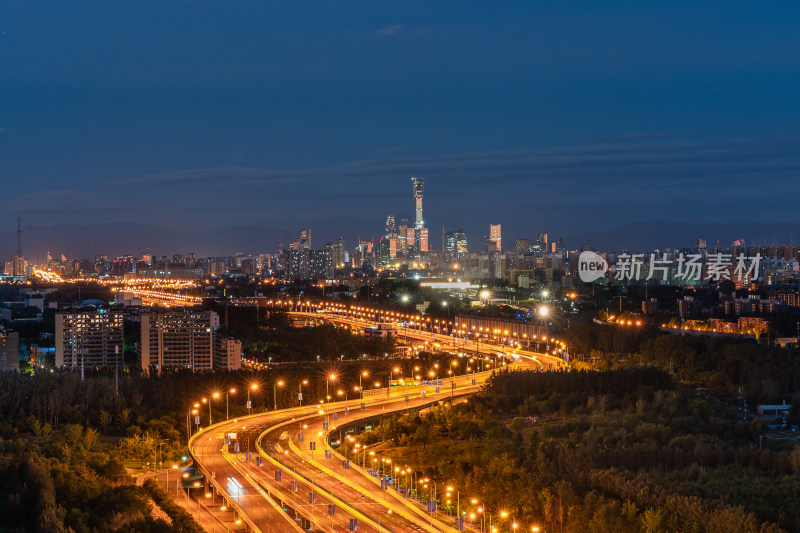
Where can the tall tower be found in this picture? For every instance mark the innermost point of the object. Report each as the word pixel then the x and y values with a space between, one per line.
pixel 418 186
pixel 17 262
pixel 19 237
pixel 494 242
pixel 420 231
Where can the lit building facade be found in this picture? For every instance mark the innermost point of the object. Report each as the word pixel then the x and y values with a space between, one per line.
pixel 89 338
pixel 177 338
pixel 227 353
pixel 420 231
pixel 495 242
pixel 9 350
pixel 456 243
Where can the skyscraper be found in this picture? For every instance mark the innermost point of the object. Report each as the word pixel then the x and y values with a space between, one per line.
pixel 305 239
pixel 403 232
pixel 422 239
pixel 340 260
pixel 456 243
pixel 420 231
pixel 494 242
pixel 418 186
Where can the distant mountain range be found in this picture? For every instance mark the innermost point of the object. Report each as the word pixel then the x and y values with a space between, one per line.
pixel 114 239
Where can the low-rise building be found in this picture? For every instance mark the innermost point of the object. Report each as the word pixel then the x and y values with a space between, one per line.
pixel 9 350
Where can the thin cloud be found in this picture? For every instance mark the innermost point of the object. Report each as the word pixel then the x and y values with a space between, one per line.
pixel 657 165
pixel 390 30
pixel 389 150
pixel 197 175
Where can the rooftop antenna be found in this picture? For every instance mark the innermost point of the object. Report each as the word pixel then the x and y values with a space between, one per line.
pixel 18 259
pixel 19 237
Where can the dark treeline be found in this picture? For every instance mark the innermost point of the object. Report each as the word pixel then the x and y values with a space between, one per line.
pixel 327 342
pixel 619 450
pixel 763 373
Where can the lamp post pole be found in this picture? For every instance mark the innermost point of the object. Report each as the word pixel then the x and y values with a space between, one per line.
pixel 275 394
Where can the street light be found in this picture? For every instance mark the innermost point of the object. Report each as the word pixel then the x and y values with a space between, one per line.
pixel 252 387
pixel 275 386
pixel 232 391
pixel 480 511
pixel 300 391
pixel 458 500
pixel 215 395
pixel 360 388
pixel 332 377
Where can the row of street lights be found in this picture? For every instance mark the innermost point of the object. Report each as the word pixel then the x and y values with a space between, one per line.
pixel 451 328
pixel 197 406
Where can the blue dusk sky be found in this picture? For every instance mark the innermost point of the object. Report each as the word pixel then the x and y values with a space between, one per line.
pixel 562 117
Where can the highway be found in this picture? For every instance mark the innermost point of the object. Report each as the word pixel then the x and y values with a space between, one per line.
pixel 295 442
pixel 446 342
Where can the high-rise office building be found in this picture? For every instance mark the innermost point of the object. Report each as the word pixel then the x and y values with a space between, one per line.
pixel 418 188
pixel 340 254
pixel 89 338
pixel 402 237
pixel 9 350
pixel 178 338
pixel 494 242
pixel 420 231
pixel 422 239
pixel 456 243
pixel 305 239
pixel 523 246
pixel 541 240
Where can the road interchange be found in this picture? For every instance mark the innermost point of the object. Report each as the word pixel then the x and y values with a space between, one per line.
pixel 286 474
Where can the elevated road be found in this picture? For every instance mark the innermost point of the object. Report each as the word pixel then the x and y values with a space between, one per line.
pixel 293 475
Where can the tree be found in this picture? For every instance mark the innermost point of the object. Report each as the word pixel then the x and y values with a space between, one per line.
pixel 104 420
pixel 651 521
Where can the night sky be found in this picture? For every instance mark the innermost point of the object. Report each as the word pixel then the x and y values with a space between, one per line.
pixel 564 118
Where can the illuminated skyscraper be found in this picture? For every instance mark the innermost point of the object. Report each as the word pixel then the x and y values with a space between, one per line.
pixel 418 186
pixel 420 231
pixel 422 239
pixel 305 239
pixel 456 243
pixel 494 243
